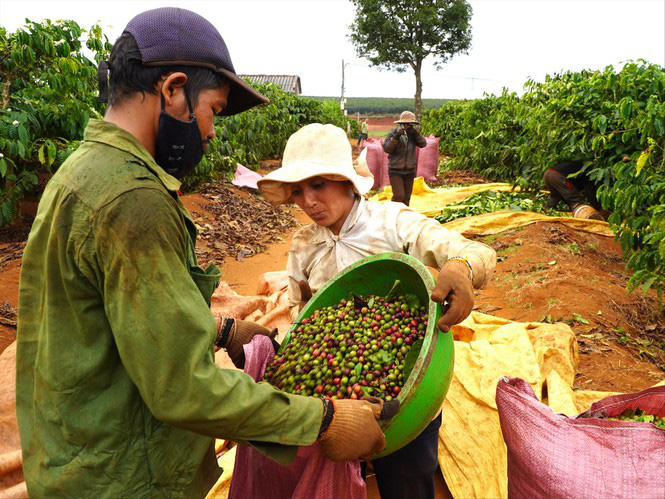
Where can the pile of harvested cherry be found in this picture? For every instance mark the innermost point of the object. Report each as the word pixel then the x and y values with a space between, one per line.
pixel 360 347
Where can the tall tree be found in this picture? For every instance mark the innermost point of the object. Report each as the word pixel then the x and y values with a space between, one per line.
pixel 398 34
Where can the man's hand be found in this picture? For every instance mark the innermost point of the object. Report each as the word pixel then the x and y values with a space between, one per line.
pixel 354 432
pixel 399 133
pixel 305 293
pixel 241 334
pixel 454 286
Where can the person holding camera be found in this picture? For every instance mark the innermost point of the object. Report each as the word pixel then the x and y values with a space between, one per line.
pixel 400 144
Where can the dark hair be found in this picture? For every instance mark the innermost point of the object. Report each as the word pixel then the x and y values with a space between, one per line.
pixel 127 75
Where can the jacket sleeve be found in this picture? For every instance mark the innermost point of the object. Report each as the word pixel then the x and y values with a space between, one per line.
pixel 388 143
pixel 420 139
pixel 164 332
pixel 431 243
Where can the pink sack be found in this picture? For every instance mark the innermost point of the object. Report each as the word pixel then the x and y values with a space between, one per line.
pixel 311 475
pixel 428 159
pixel 554 456
pixel 377 162
pixel 244 177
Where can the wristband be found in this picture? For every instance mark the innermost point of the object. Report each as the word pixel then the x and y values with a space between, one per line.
pixel 223 333
pixel 328 415
pixel 465 260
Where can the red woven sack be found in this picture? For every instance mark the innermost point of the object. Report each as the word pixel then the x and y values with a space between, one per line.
pixel 311 475
pixel 553 456
pixel 377 162
pixel 428 159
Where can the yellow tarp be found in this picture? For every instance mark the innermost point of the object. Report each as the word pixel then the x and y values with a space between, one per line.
pixel 472 454
pixel 221 488
pixel 430 202
pixel 501 221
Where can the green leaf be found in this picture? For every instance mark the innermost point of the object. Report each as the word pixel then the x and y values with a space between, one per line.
pixel 411 358
pixel 7 211
pixel 52 152
pixel 647 285
pixel 358 369
pixel 40 154
pixel 3 167
pixel 22 134
pixel 577 317
pixel 395 291
pixel 411 300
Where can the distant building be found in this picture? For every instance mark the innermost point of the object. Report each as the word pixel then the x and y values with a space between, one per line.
pixel 288 83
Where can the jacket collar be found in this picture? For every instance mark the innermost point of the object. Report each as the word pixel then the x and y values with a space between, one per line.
pixel 110 134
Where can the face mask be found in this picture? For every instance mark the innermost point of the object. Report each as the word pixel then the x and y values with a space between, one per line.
pixel 178 145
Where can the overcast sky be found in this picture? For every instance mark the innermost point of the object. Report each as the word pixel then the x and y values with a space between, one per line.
pixel 512 40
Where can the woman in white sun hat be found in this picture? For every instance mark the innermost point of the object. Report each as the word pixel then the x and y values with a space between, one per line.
pixel 318 174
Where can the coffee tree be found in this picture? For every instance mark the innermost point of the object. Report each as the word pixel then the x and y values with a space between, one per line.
pixel 613 121
pixel 48 93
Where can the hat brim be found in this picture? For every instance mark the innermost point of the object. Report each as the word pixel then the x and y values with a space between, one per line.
pixel 407 122
pixel 242 96
pixel 276 186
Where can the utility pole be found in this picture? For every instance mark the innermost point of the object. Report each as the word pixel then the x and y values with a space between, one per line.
pixel 341 100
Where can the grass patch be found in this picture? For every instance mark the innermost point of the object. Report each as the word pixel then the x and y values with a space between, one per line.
pixel 509 250
pixel 491 238
pixel 378 133
pixel 572 248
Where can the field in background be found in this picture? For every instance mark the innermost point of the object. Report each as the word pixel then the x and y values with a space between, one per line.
pixel 383 105
pixel 379 126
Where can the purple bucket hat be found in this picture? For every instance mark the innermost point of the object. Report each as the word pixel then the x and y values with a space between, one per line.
pixel 172 36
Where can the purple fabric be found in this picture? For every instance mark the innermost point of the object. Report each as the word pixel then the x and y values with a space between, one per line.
pixel 553 456
pixel 377 162
pixel 311 475
pixel 428 159
pixel 244 177
pixel 173 34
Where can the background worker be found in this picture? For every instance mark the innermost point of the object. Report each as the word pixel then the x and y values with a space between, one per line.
pixel 364 132
pixel 573 190
pixel 118 394
pixel 400 144
pixel 318 175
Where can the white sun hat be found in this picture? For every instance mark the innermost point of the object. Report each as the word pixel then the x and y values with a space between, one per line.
pixel 315 151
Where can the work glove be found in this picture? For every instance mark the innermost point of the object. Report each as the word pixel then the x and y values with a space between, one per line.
pixel 241 334
pixel 305 293
pixel 454 290
pixel 354 432
pixel 400 132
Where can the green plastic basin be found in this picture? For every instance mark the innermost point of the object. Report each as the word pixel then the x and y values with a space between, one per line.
pixel 427 385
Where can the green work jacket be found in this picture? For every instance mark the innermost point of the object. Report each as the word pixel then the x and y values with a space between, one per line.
pixel 118 394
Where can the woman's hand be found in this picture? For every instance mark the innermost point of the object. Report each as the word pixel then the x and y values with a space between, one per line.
pixel 454 286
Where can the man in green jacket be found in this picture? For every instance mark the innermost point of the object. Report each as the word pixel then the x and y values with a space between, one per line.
pixel 117 390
